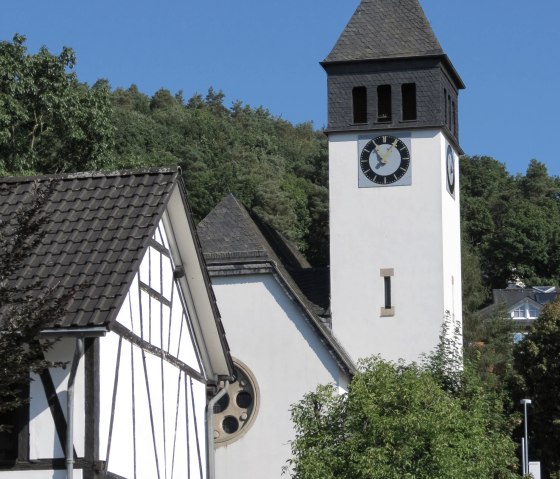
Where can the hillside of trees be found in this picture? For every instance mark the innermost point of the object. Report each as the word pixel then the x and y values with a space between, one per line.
pixel 50 122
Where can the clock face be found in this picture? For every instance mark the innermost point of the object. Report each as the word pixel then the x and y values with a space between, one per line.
pixel 450 171
pixel 384 161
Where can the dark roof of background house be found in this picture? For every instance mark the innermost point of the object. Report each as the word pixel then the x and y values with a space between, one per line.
pixel 97 229
pixel 384 29
pixel 509 297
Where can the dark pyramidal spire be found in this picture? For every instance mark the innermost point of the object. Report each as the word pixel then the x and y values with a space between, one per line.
pixel 388 71
pixel 384 29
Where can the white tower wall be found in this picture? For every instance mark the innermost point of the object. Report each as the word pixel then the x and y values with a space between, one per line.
pixel 411 232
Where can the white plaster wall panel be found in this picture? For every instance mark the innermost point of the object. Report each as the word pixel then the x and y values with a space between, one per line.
pixel 268 333
pixel 452 243
pixel 130 309
pixel 176 327
pixel 144 270
pixel 187 351
pixel 49 474
pixel 145 452
pixel 120 457
pixel 167 277
pixel 165 326
pixel 173 419
pixel 173 412
pixel 144 318
pixel 197 441
pixel 44 442
pixel 155 278
pixel 157 272
pixel 396 227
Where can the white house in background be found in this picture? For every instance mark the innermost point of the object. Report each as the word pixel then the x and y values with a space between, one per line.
pixel 273 306
pixel 142 340
pixel 522 305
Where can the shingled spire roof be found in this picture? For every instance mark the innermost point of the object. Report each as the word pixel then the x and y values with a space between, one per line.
pixel 235 241
pixel 384 29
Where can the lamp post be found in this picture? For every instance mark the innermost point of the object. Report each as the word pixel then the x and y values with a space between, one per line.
pixel 525 450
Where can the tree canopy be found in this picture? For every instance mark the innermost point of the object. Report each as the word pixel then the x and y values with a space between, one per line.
pixel 24 309
pixel 48 120
pixel 512 222
pixel 399 421
pixel 537 366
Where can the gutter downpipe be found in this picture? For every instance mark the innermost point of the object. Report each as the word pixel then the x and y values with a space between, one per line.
pixel 210 429
pixel 78 352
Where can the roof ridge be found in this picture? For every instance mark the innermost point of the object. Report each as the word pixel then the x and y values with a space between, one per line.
pixel 90 174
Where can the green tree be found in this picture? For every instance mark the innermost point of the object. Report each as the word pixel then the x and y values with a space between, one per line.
pixel 25 309
pixel 511 223
pixel 276 169
pixel 399 421
pixel 488 347
pixel 537 364
pixel 49 121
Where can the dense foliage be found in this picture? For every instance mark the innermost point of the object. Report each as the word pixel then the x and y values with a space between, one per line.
pixel 276 169
pixel 401 421
pixel 48 120
pixel 24 309
pixel 537 366
pixel 513 222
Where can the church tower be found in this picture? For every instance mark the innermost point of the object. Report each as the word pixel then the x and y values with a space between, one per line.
pixel 393 183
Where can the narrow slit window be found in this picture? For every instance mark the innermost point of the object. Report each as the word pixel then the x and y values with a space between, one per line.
pixel 409 101
pixel 384 106
pixel 387 309
pixel 454 124
pixel 449 110
pixel 387 281
pixel 359 104
pixel 445 106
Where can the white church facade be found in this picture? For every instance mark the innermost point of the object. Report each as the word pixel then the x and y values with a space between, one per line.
pixel 395 251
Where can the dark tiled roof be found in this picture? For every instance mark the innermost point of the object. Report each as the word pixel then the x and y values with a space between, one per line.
pixel 97 228
pixel 229 232
pixel 231 236
pixel 382 29
pixel 511 296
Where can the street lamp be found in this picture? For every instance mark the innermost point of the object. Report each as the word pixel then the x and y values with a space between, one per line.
pixel 525 449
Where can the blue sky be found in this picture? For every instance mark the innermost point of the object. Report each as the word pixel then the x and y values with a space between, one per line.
pixel 267 52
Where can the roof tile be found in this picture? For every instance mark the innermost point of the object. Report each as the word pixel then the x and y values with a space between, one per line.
pixel 98 226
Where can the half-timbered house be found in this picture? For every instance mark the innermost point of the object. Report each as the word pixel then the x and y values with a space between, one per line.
pixel 141 340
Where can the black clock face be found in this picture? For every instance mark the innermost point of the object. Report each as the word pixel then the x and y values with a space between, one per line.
pixel 384 160
pixel 450 170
